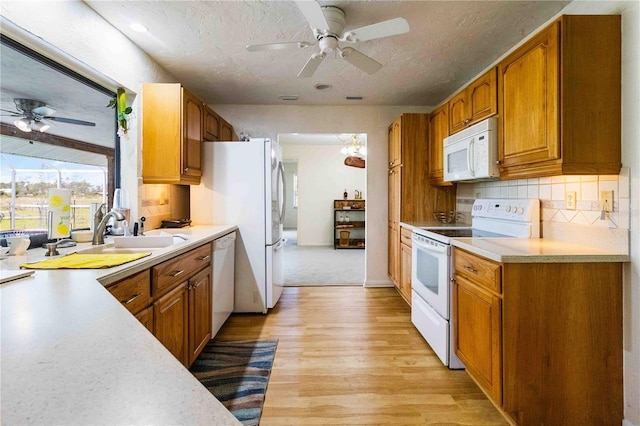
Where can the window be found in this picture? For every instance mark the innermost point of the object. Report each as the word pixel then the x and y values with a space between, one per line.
pixel 56 131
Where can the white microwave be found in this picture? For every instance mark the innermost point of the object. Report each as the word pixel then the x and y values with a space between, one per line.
pixel 472 153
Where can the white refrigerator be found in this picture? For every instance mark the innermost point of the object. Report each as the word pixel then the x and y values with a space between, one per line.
pixel 243 183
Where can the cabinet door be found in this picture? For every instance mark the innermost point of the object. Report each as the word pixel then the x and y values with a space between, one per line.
pixel 483 97
pixel 192 110
pixel 405 272
pixel 458 116
pixel 395 139
pixel 170 320
pixel 477 335
pixel 394 224
pixel 394 255
pixel 529 102
pixel 200 306
pixel 226 131
pixel 438 130
pixel 211 130
pixel 146 318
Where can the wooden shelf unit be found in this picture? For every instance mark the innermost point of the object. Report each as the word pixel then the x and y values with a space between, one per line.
pixel 349 216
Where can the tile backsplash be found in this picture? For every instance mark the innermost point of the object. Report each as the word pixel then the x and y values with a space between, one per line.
pixel 159 202
pixel 552 193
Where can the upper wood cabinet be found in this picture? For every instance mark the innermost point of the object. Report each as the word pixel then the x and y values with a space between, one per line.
pixel 395 143
pixel 560 102
pixel 171 134
pixel 211 126
pixel 475 102
pixel 226 131
pixel 438 130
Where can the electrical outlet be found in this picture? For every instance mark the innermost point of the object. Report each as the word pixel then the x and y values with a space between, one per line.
pixel 571 200
pixel 606 199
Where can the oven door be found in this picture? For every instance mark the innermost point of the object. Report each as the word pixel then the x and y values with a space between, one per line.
pixel 430 266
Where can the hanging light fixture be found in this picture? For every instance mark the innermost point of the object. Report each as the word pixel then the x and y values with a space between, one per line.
pixel 40 126
pixel 353 146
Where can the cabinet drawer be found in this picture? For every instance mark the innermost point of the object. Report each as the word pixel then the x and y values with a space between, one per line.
pixel 134 292
pixel 405 236
pixel 482 271
pixel 168 274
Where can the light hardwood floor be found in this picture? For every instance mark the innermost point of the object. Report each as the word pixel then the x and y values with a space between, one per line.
pixel 350 355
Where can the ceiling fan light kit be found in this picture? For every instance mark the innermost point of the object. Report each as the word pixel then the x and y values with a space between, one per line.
pixel 327 24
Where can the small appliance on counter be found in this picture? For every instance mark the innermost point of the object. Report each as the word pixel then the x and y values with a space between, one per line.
pixel 175 223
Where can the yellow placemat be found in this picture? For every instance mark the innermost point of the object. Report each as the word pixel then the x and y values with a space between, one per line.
pixel 85 261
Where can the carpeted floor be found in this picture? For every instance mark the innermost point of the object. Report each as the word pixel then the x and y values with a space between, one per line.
pixel 321 265
pixel 237 373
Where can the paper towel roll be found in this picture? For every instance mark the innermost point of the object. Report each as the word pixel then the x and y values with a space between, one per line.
pixel 59 213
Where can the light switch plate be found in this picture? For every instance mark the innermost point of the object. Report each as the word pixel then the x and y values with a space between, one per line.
pixel 571 200
pixel 606 199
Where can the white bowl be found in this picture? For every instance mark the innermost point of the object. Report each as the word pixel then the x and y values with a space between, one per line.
pixel 82 236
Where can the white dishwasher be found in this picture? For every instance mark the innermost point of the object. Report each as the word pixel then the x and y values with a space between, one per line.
pixel 223 280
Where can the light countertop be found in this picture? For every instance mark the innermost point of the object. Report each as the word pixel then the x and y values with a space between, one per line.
pixel 522 250
pixel 71 354
pixel 540 250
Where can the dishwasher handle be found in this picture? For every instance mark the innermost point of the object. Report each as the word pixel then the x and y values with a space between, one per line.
pixel 224 242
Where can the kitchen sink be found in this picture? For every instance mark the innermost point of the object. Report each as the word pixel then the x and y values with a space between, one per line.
pixel 112 249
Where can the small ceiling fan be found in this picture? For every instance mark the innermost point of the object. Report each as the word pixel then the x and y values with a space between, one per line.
pixel 328 23
pixel 36 115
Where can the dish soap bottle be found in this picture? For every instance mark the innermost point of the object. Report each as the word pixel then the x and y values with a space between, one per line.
pixel 345 195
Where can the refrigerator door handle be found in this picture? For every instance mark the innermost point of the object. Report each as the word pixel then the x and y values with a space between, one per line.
pixel 284 191
pixel 280 244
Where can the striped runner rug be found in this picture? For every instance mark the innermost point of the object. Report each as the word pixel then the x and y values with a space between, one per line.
pixel 237 373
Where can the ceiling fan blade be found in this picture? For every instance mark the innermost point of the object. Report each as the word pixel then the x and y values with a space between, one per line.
pixel 13 113
pixel 381 29
pixel 70 121
pixel 360 60
pixel 312 65
pixel 278 46
pixel 43 110
pixel 313 14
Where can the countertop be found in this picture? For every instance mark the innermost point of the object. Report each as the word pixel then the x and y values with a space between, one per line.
pixel 522 250
pixel 71 354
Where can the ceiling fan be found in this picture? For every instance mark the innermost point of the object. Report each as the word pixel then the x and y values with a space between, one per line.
pixel 36 115
pixel 328 23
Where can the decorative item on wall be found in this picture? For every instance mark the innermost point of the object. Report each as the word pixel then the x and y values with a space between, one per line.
pixel 354 162
pixel 124 113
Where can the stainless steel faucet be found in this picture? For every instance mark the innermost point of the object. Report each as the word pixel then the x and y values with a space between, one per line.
pixel 98 229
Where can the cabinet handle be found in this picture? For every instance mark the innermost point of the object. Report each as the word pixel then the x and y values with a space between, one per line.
pixel 390 163
pixel 470 269
pixel 204 257
pixel 186 170
pixel 391 172
pixel 177 273
pixel 132 299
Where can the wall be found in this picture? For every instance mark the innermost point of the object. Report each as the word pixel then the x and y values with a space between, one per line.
pixel 88 44
pixel 290 213
pixel 269 120
pixel 322 178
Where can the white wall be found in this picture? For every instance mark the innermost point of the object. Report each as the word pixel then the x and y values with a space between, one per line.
pixel 290 213
pixel 270 120
pixel 322 178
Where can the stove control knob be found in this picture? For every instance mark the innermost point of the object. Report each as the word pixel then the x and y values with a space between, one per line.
pixel 520 211
pixel 507 209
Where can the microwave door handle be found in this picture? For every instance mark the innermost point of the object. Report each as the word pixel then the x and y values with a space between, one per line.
pixel 470 157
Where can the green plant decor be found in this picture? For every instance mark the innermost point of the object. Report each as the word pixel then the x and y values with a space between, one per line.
pixel 124 112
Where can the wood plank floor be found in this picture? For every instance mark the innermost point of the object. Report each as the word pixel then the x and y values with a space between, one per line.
pixel 350 355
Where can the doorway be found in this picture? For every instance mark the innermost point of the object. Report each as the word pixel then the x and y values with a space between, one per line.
pixel 316 176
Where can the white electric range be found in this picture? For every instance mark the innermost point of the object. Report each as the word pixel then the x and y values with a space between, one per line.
pixel 431 277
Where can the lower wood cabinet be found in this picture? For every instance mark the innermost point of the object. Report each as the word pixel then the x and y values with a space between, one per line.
pixel 173 300
pixel 170 318
pixel 542 340
pixel 200 310
pixel 405 264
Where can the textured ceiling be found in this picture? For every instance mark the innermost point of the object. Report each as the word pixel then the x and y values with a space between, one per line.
pixel 203 45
